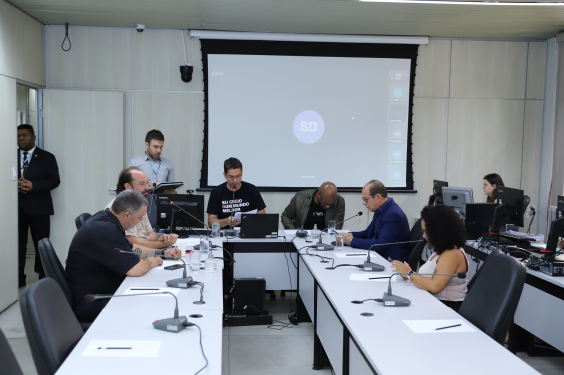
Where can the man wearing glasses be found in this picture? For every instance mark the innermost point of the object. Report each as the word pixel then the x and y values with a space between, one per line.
pixel 142 233
pixel 234 195
pixel 389 224
pixel 315 206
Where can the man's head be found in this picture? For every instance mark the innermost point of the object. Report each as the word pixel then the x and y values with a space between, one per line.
pixel 129 206
pixel 326 195
pixel 26 137
pixel 133 178
pixel 374 195
pixel 154 142
pixel 233 172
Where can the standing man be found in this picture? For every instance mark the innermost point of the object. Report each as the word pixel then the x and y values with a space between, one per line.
pixel 389 224
pixel 38 174
pixel 221 203
pixel 157 168
pixel 142 233
pixel 315 206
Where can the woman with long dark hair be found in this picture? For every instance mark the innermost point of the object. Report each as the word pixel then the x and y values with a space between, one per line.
pixel 445 234
pixel 491 182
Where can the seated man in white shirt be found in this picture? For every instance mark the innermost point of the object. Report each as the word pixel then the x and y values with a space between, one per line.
pixel 142 233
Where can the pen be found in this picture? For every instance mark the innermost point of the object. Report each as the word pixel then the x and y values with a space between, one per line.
pixel 383 277
pixel 456 325
pixel 114 348
pixel 352 255
pixel 145 289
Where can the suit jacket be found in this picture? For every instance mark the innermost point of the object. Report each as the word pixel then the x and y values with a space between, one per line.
pixel 299 207
pixel 43 173
pixel 389 224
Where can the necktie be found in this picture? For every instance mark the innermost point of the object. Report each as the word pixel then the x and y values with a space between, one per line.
pixel 26 163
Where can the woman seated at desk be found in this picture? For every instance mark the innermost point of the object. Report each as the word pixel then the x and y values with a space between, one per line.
pixel 445 234
pixel 491 182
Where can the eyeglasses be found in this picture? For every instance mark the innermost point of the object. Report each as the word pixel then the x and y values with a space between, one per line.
pixel 234 177
pixel 149 184
pixel 369 198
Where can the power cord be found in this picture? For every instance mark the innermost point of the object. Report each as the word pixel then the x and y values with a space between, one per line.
pixel 533 219
pixel 202 348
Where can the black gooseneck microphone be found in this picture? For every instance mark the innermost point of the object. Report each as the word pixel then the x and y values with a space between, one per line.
pixel 396 301
pixel 320 246
pixel 231 232
pixel 184 282
pixel 375 267
pixel 174 324
pixel 303 233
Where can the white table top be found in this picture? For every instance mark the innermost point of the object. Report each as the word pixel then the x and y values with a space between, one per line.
pixel 388 343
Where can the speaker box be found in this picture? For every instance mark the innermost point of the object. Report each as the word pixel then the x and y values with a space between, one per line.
pixel 249 292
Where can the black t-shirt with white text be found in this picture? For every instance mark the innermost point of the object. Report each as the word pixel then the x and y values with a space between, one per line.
pixel 316 215
pixel 247 198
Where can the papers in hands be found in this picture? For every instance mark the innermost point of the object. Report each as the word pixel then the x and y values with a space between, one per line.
pixel 238 214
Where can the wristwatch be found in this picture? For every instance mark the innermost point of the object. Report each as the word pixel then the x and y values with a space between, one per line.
pixel 409 274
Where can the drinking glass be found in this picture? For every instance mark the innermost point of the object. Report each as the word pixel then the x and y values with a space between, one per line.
pixel 339 242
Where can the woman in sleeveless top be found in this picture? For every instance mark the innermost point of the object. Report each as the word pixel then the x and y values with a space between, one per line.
pixel 445 234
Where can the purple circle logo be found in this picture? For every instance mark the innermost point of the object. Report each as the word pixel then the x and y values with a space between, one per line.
pixel 308 127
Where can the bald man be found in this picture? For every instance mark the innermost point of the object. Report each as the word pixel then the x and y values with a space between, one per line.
pixel 315 206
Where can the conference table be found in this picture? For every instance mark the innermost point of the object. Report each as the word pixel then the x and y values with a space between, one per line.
pixel 391 340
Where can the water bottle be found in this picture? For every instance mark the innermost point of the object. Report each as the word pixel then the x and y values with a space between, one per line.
pixel 204 249
pixel 211 263
pixel 314 231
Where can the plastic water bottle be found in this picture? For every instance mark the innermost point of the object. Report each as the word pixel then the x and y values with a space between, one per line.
pixel 314 231
pixel 211 263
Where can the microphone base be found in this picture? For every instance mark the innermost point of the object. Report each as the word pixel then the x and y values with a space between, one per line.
pixel 301 233
pixel 320 246
pixel 372 267
pixel 230 233
pixel 173 325
pixel 389 300
pixel 183 283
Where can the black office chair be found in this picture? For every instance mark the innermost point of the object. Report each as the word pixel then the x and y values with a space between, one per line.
pixel 526 201
pixel 473 280
pixel 7 358
pixel 414 256
pixel 54 269
pixel 491 303
pixel 50 325
pixel 81 219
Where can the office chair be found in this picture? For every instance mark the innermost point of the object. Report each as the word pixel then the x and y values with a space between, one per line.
pixel 54 269
pixel 491 303
pixel 7 358
pixel 50 325
pixel 414 256
pixel 473 280
pixel 81 219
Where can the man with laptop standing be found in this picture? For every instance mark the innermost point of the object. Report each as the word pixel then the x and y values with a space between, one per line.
pixel 234 195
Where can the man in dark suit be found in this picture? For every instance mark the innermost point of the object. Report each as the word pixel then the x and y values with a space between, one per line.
pixel 389 224
pixel 38 174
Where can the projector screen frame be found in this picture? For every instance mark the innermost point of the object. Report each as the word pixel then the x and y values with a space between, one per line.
pixel 322 49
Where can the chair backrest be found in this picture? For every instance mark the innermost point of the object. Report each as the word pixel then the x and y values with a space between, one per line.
pixel 414 256
pixel 473 279
pixel 492 302
pixel 526 201
pixel 53 267
pixel 81 219
pixel 7 358
pixel 50 325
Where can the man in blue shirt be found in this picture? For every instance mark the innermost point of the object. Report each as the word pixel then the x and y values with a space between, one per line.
pixel 389 224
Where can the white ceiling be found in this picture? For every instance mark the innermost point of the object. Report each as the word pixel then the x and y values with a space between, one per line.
pixel 308 16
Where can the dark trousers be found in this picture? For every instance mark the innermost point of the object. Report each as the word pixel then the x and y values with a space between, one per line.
pixel 40 228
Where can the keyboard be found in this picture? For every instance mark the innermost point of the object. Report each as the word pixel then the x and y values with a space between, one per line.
pixel 514 236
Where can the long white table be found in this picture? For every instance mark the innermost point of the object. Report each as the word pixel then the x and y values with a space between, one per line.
pixel 131 318
pixel 383 343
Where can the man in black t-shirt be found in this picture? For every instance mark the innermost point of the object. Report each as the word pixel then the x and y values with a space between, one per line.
pixel 93 267
pixel 233 196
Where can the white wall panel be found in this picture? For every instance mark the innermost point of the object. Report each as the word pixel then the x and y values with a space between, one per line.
pixel 433 69
pixel 9 196
pixel 536 70
pixel 482 69
pixel 6 39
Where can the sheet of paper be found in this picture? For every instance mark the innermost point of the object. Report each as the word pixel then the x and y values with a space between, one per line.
pixel 353 254
pixel 238 214
pixel 367 275
pixel 188 241
pixel 116 348
pixel 430 326
pixel 151 289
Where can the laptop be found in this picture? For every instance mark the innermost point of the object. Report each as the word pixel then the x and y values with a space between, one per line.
pixel 479 219
pixel 259 225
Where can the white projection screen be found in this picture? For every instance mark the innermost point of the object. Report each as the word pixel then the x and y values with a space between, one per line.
pixel 297 120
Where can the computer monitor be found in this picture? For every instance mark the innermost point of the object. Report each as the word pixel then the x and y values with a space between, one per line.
pixel 437 197
pixel 560 207
pixel 457 198
pixel 479 217
pixel 166 212
pixel 556 230
pixel 511 208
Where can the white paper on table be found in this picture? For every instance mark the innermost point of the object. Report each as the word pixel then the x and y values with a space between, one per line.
pixel 367 275
pixel 344 255
pixel 238 214
pixel 167 263
pixel 139 348
pixel 188 241
pixel 343 231
pixel 429 326
pixel 151 289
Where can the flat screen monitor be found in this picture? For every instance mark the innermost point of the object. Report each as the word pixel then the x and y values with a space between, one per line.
pixel 556 230
pixel 193 204
pixel 512 202
pixel 437 197
pixel 457 198
pixel 479 217
pixel 560 207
